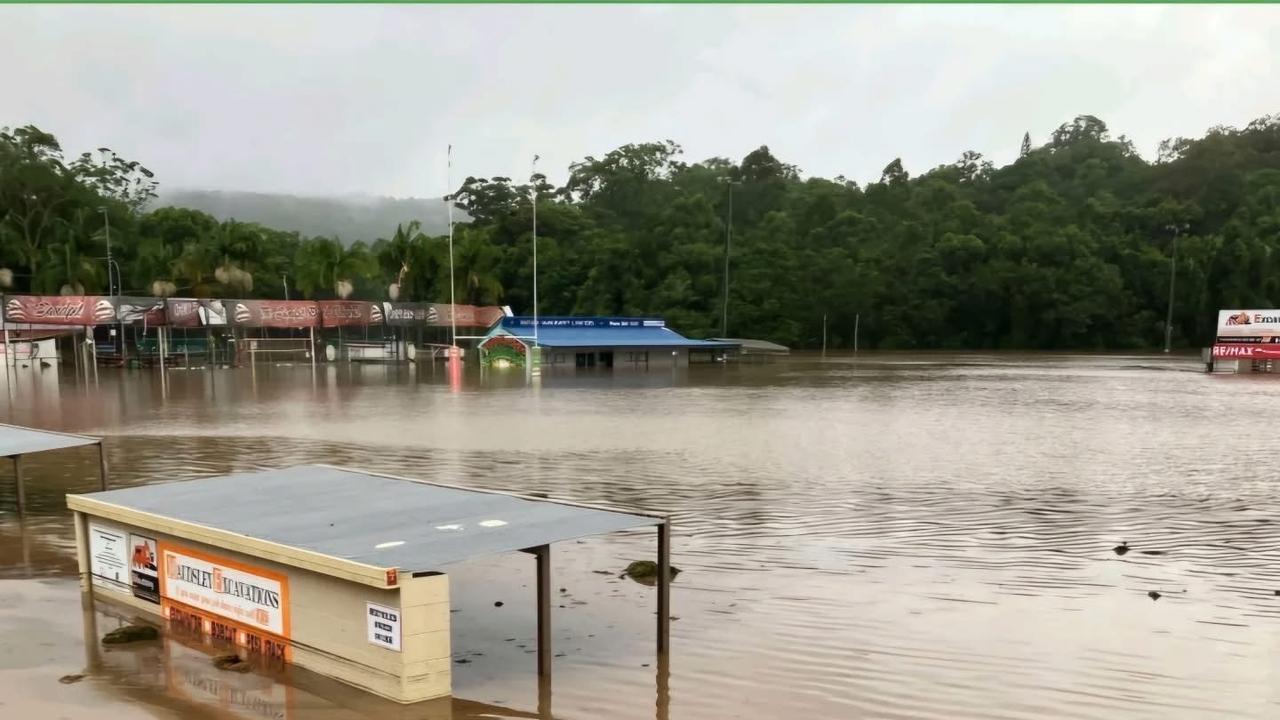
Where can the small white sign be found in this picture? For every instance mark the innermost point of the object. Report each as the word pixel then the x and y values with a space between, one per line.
pixel 384 626
pixel 109 557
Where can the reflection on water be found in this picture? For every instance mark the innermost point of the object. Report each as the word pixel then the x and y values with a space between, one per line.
pixel 919 536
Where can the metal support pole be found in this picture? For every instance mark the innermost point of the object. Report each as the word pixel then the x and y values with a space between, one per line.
pixel 543 554
pixel 1173 279
pixel 17 479
pixel 664 587
pixel 102 464
pixel 160 337
pixel 312 330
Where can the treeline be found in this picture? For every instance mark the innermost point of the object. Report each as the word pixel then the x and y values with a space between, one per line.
pixel 1068 247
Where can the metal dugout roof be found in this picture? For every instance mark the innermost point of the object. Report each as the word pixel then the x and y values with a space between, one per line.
pixel 16 441
pixel 369 519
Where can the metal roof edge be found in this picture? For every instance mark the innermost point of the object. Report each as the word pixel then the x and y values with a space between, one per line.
pixel 658 518
pixel 88 439
pixel 284 554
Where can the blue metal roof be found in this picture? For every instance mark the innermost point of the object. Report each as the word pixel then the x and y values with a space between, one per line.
pixel 603 332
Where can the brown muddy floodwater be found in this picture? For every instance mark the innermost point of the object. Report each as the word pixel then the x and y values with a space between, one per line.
pixel 924 536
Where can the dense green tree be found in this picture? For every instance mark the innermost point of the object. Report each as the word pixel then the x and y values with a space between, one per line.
pixel 1069 246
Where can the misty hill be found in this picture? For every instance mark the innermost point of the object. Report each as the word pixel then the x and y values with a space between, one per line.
pixel 350 218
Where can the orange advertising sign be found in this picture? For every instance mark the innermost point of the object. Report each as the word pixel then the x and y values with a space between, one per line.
pixel 252 598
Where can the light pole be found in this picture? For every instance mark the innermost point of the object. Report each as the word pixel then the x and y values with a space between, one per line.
pixel 106 226
pixel 284 278
pixel 1173 278
pixel 728 242
pixel 533 199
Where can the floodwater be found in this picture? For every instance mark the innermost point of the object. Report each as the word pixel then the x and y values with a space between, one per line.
pixel 900 536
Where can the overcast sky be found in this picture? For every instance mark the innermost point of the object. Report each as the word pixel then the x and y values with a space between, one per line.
pixel 358 99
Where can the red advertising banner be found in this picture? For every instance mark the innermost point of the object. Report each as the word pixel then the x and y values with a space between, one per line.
pixel 140 310
pixel 1241 351
pixel 341 313
pixel 272 313
pixel 59 309
pixel 182 313
pixel 469 315
pixel 410 313
pixel 438 314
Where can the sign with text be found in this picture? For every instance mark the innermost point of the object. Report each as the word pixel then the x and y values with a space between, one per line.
pixel 341 313
pixel 604 322
pixel 250 596
pixel 383 624
pixel 1249 326
pixel 1241 351
pixel 109 557
pixel 182 312
pixel 272 313
pixel 143 576
pixel 147 311
pixel 59 309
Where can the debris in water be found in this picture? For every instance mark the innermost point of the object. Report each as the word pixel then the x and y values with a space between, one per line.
pixel 233 663
pixel 498 604
pixel 563 590
pixel 1152 552
pixel 462 661
pixel 646 571
pixel 130 633
pixel 68 679
pixel 602 572
pixel 1122 548
pixel 1153 595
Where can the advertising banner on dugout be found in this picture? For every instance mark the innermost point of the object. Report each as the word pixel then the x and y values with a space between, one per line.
pixel 147 311
pixel 59 309
pixel 341 313
pixel 250 596
pixel 182 312
pixel 440 314
pixel 1249 327
pixel 272 313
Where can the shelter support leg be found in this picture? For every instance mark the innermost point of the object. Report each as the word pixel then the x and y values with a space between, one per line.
pixel 21 491
pixel 102 465
pixel 82 549
pixel 664 587
pixel 543 554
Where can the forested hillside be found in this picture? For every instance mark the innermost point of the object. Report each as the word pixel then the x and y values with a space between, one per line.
pixel 1068 247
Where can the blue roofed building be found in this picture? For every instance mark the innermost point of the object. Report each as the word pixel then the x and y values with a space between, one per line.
pixel 596 342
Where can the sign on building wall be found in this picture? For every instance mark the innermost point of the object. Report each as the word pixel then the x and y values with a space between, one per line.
pixel 1249 326
pixel 1248 335
pixel 383 624
pixel 109 557
pixel 143 564
pixel 250 596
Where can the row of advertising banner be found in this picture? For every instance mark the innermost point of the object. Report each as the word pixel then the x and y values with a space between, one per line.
pixel 1247 335
pixel 81 310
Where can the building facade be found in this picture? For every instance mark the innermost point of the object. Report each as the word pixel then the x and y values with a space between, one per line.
pixel 603 343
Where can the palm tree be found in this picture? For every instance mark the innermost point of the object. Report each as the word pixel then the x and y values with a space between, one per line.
pixel 323 263
pixel 70 265
pixel 475 259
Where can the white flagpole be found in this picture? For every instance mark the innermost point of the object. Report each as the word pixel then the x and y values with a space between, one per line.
pixel 453 308
pixel 534 198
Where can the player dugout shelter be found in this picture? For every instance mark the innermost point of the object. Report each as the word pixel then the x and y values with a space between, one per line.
pixel 17 441
pixel 340 572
